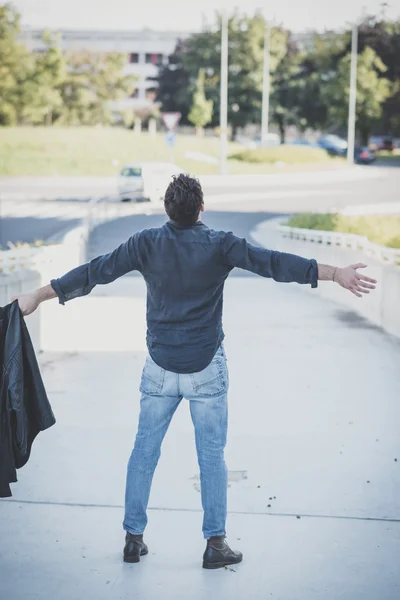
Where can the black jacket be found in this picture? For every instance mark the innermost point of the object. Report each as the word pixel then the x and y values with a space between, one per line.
pixel 24 406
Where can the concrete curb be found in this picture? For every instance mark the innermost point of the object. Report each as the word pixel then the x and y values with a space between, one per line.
pixel 66 250
pixel 380 308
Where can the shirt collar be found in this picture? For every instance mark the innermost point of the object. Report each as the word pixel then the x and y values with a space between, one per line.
pixel 175 224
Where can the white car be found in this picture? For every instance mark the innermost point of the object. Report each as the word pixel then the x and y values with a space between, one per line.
pixel 145 181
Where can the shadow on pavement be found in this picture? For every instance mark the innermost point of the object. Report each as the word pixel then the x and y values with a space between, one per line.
pixel 31 229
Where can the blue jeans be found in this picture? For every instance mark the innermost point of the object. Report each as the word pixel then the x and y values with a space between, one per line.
pixel 162 392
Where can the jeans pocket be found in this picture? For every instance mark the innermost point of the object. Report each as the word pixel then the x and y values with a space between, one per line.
pixel 152 378
pixel 213 380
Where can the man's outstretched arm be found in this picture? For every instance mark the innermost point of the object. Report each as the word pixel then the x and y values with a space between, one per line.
pixel 81 280
pixel 290 268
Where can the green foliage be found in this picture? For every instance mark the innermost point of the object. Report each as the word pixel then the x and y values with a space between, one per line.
pixel 287 85
pixel 384 38
pixel 380 229
pixel 43 97
pixel 309 80
pixel 317 221
pixel 202 109
pixel 51 86
pixel 92 81
pixel 177 80
pixel 15 65
pixel 246 54
pixel 372 91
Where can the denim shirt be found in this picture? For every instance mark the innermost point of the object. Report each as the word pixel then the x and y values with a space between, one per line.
pixel 185 269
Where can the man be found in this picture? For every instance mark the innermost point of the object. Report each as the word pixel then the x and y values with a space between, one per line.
pixel 185 265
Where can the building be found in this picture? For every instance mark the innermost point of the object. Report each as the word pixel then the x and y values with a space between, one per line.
pixel 144 50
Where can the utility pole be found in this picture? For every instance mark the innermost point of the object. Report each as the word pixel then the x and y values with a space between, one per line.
pixel 351 132
pixel 265 89
pixel 223 119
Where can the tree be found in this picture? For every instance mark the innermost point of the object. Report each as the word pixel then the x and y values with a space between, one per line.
pixel 202 109
pixel 246 67
pixel 47 86
pixel 287 85
pixel 246 40
pixel 173 82
pixel 92 82
pixel 317 60
pixel 384 37
pixel 28 81
pixel 15 65
pixel 372 91
pixel 46 75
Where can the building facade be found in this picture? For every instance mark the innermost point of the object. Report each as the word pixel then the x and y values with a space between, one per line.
pixel 145 51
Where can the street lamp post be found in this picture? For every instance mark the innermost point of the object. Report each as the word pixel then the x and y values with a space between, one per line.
pixel 223 123
pixel 351 132
pixel 265 89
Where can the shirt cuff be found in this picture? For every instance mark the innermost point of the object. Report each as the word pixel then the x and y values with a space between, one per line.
pixel 56 287
pixel 314 273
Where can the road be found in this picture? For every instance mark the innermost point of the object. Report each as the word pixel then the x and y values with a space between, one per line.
pixel 38 220
pixel 62 206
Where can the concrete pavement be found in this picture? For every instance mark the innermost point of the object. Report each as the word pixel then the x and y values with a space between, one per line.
pixel 313 434
pixel 314 416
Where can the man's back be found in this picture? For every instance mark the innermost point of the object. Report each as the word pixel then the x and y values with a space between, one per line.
pixel 185 268
pixel 185 271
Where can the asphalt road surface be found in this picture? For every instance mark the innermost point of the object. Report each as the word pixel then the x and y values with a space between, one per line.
pixel 24 220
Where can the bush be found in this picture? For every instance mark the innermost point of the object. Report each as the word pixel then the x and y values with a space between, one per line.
pixel 287 154
pixel 314 221
pixel 379 229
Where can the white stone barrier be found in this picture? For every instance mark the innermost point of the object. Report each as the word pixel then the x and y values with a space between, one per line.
pixel 382 306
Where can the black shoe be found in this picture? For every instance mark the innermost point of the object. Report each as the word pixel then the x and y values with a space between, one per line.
pixel 134 548
pixel 218 554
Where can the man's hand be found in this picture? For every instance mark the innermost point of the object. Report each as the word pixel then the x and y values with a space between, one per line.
pixel 350 279
pixel 28 303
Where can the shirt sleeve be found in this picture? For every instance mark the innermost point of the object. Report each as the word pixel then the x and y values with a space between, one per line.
pixel 101 270
pixel 280 266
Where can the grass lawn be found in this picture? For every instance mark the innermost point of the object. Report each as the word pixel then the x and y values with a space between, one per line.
pixel 290 154
pixel 389 158
pixel 380 229
pixel 94 151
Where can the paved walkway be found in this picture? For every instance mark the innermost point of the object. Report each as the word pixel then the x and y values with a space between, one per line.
pixel 314 413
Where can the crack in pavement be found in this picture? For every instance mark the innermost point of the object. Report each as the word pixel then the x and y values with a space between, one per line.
pixel 198 510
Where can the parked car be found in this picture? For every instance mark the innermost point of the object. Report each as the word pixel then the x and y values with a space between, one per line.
pixel 378 143
pixel 272 140
pixel 336 146
pixel 146 181
pixel 388 144
pixel 303 142
pixel 333 144
pixel 363 155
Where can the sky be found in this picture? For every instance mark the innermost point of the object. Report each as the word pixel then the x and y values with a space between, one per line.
pixel 189 15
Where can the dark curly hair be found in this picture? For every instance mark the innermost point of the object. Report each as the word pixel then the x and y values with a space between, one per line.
pixel 183 199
